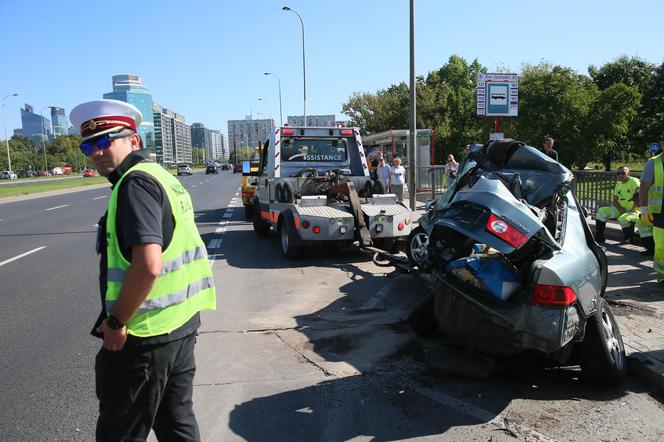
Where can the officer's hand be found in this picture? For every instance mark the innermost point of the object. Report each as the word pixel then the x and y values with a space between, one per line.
pixel 114 340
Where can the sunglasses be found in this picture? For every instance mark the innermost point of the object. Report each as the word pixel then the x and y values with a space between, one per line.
pixel 103 142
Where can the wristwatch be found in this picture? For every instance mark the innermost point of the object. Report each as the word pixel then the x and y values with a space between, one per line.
pixel 114 323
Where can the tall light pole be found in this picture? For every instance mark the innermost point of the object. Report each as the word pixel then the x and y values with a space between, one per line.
pixel 41 114
pixel 412 145
pixel 304 68
pixel 281 116
pixel 4 116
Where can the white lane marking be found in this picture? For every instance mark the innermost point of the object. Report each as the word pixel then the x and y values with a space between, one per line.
pixel 96 225
pixel 214 244
pixel 57 207
pixel 193 186
pixel 21 255
pixel 100 197
pixel 228 214
pixel 220 230
pixel 223 223
pixel 237 193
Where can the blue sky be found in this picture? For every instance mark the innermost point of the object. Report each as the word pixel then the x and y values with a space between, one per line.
pixel 205 59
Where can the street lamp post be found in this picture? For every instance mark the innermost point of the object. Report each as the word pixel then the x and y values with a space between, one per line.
pixel 281 116
pixel 4 116
pixel 304 68
pixel 41 114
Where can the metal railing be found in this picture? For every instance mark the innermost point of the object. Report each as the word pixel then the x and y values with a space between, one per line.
pixel 592 188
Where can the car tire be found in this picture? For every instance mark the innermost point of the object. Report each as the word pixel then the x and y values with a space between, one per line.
pixel 417 247
pixel 261 227
pixel 249 211
pixel 602 352
pixel 287 237
pixel 423 319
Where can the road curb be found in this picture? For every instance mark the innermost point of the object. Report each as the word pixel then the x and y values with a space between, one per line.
pixel 647 369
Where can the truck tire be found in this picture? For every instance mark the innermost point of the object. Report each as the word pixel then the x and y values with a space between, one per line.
pixel 288 239
pixel 378 188
pixel 602 352
pixel 278 193
pixel 249 211
pixel 261 227
pixel 286 192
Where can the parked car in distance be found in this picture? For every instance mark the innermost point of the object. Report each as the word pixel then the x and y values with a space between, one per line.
pixel 211 168
pixel 237 168
pixel 8 175
pixel 184 169
pixel 225 167
pixel 89 173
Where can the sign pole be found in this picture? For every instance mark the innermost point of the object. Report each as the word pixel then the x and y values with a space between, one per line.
pixel 497 125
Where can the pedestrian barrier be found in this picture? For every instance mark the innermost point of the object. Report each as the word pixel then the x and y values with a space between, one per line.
pixel 592 188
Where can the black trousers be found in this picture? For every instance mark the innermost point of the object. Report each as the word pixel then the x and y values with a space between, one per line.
pixel 144 387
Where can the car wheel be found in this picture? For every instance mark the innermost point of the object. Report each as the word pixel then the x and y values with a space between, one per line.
pixel 287 236
pixel 602 352
pixel 261 227
pixel 423 319
pixel 418 246
pixel 249 211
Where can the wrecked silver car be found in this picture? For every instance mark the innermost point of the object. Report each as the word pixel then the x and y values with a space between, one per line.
pixel 514 265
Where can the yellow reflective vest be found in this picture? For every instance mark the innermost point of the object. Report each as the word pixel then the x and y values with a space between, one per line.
pixel 185 285
pixel 625 192
pixel 656 191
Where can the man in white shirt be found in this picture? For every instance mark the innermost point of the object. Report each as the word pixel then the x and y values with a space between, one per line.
pixel 383 171
pixel 397 179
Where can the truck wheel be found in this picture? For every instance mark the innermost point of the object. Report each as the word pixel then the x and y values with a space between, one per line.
pixel 378 187
pixel 278 193
pixel 249 211
pixel 261 227
pixel 286 193
pixel 423 319
pixel 287 236
pixel 602 352
pixel 418 245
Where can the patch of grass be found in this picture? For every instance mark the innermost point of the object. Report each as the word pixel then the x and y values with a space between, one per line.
pixel 38 187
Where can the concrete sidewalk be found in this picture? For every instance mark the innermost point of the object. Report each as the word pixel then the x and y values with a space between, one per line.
pixel 637 303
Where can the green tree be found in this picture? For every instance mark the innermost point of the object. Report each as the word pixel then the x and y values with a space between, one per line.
pixel 651 117
pixel 611 115
pixel 386 109
pixel 554 101
pixel 241 154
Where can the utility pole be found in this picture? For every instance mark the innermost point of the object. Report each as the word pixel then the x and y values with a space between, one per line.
pixel 412 145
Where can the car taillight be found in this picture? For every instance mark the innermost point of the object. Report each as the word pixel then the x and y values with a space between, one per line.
pixel 288 131
pixel 505 231
pixel 553 295
pixel 316 230
pixel 346 131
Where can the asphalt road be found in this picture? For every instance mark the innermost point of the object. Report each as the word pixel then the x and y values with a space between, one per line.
pixel 49 300
pixel 313 349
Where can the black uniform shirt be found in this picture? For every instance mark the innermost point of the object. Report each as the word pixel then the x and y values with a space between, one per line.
pixel 143 216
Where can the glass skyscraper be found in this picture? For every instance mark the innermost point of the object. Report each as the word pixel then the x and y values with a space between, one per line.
pixel 32 124
pixel 130 89
pixel 60 123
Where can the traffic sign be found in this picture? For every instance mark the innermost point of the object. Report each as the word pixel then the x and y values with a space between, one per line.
pixel 497 95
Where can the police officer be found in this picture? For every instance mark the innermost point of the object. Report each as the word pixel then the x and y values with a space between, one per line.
pixel 154 281
pixel 651 195
pixel 623 208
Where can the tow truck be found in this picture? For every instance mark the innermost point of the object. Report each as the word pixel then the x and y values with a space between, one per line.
pixel 249 186
pixel 314 187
